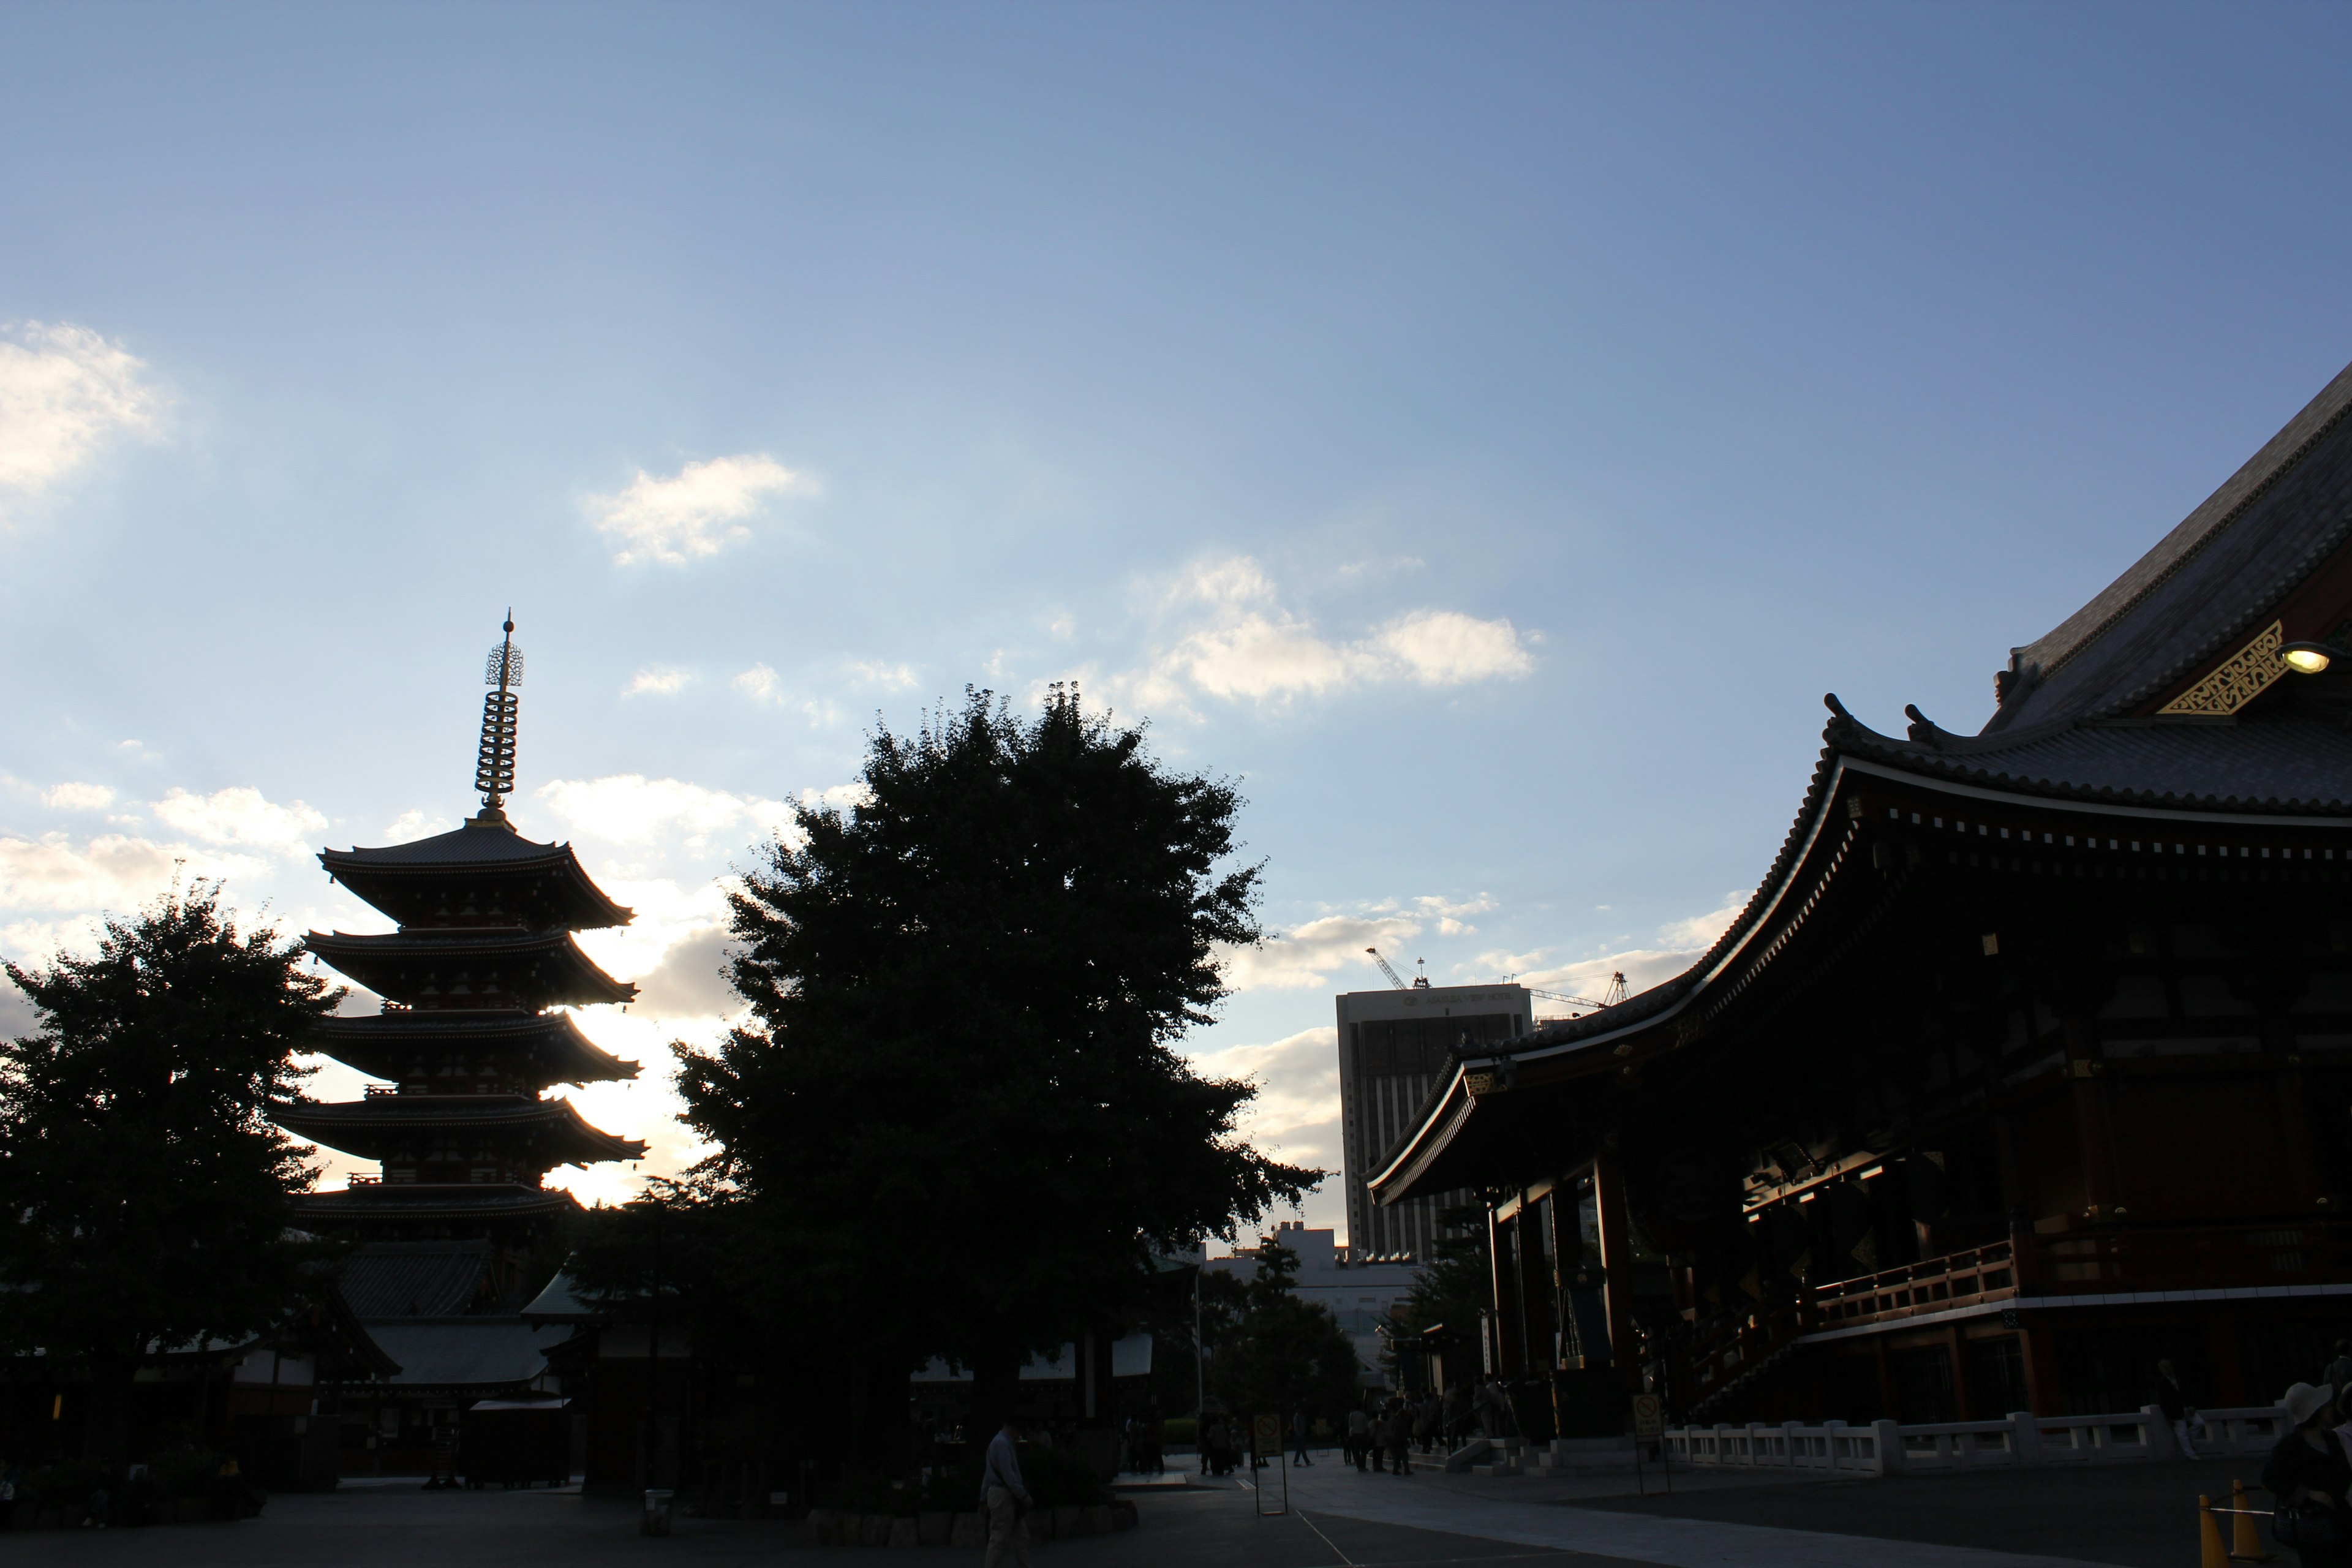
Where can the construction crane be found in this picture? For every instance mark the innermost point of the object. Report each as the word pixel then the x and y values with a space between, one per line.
pixel 1421 983
pixel 1615 994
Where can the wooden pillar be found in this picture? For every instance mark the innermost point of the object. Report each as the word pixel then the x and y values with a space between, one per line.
pixel 2091 1134
pixel 2038 1349
pixel 1962 1404
pixel 1616 1267
pixel 1506 1306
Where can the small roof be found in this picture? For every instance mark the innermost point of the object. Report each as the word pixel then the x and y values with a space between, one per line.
pixel 486 858
pixel 559 1301
pixel 466 1354
pixel 414 1279
pixel 497 966
pixel 385 1044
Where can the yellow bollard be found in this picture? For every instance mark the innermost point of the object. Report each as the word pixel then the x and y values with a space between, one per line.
pixel 2212 1553
pixel 2245 1539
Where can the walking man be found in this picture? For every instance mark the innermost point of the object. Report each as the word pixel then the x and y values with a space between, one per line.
pixel 1298 1436
pixel 2175 1406
pixel 1003 1496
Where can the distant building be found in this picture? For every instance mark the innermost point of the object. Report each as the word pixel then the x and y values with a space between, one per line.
pixel 1394 1049
pixel 1362 1295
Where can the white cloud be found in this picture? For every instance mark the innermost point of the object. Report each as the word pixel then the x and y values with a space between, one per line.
pixel 670 916
pixel 241 816
pixel 1446 647
pixel 889 677
pixel 78 797
pixel 1448 914
pixel 64 391
pixel 1681 942
pixel 632 809
pixel 697 512
pixel 1304 958
pixel 761 683
pixel 1243 645
pixel 1700 930
pixel 657 681
pixel 411 825
pixel 1296 1112
pixel 114 871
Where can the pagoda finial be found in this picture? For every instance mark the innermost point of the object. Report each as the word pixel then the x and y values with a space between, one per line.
pixel 495 765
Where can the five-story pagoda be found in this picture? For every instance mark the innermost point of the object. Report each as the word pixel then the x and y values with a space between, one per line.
pixel 466 1037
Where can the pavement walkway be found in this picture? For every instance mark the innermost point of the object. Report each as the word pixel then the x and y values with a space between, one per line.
pixel 2133 1516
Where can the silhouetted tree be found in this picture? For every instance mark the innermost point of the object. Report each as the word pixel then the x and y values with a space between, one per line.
pixel 957 1106
pixel 1276 1354
pixel 145 1199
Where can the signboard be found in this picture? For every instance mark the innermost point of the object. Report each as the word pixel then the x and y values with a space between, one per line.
pixel 1267 1431
pixel 1649 1415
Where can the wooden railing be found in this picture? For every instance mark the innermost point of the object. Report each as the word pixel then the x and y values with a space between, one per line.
pixel 2097 1260
pixel 1931 1285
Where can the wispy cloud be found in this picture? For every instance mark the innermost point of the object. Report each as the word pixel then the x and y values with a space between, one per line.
pixel 761 683
pixel 78 797
pixel 889 677
pixel 697 512
pixel 1678 945
pixel 65 391
pixel 114 871
pixel 1305 957
pixel 1229 636
pixel 657 681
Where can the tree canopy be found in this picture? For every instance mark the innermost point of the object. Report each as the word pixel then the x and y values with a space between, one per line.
pixel 956 1101
pixel 1269 1350
pixel 148 1198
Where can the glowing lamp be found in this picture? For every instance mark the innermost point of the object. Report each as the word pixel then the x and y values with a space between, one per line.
pixel 2307 657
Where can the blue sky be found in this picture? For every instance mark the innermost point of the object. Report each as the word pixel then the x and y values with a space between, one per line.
pixel 1486 430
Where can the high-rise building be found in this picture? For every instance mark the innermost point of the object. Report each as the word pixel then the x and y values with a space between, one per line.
pixel 1394 1049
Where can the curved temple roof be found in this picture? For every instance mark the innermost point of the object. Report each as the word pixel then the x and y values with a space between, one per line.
pixel 485 861
pixel 2204 583
pixel 2078 730
pixel 503 967
pixel 384 1045
pixel 552 1128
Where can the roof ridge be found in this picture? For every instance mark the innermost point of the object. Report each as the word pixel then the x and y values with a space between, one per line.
pixel 2188 539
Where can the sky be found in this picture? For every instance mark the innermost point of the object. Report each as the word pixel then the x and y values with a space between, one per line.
pixel 1484 431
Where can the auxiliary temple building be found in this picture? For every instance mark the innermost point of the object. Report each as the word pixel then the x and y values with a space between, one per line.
pixel 459 1230
pixel 2027 1064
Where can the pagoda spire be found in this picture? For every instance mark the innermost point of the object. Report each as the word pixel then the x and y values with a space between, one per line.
pixel 494 764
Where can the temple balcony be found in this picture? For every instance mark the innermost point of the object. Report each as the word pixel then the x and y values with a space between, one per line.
pixel 2099 1259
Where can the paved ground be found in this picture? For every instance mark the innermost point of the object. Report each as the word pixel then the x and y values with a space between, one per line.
pixel 2139 1516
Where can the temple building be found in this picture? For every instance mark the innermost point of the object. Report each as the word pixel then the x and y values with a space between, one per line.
pixel 459 1229
pixel 2026 1064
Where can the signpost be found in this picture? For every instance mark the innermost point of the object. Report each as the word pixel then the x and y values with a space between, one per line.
pixel 1650 1426
pixel 1266 1439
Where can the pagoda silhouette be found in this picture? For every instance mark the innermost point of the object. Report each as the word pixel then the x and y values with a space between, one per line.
pixel 459 1219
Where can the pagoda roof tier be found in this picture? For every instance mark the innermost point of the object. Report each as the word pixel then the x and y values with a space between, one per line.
pixel 479 969
pixel 484 871
pixel 550 1129
pixel 384 1045
pixel 436 1202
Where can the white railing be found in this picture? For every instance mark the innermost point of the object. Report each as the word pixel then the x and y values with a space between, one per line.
pixel 1884 1447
